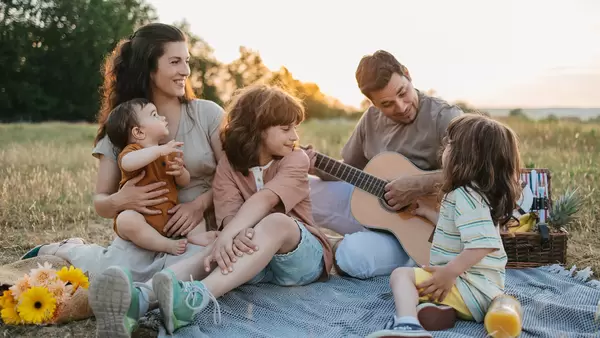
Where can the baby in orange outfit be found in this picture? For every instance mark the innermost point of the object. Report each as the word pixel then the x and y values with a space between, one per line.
pixel 135 129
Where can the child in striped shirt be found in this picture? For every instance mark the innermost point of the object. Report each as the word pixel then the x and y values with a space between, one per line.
pixel 481 164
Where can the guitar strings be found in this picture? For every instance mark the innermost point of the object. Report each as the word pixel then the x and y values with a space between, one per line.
pixel 364 181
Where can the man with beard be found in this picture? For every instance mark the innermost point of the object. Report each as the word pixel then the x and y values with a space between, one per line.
pixel 401 119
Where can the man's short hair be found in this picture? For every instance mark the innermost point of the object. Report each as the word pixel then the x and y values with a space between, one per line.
pixel 374 71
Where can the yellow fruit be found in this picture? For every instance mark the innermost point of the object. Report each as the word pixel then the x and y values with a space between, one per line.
pixel 526 223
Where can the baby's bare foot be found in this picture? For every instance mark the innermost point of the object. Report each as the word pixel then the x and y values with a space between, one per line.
pixel 177 247
pixel 202 238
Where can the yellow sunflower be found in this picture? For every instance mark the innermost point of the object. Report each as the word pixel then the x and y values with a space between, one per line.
pixel 7 300
pixel 36 305
pixel 74 276
pixel 10 316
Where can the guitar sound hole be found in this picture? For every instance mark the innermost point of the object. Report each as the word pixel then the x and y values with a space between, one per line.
pixel 384 204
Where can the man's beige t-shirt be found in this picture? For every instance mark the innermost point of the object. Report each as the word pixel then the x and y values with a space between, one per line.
pixel 287 178
pixel 419 141
pixel 195 132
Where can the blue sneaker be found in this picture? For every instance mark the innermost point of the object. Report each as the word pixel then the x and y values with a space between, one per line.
pixel 180 301
pixel 115 302
pixel 401 330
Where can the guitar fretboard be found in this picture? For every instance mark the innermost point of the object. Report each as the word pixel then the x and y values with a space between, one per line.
pixel 345 172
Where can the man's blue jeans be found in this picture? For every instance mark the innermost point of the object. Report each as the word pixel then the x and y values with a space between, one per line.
pixel 362 253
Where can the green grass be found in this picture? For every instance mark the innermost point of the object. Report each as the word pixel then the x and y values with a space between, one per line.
pixel 47 177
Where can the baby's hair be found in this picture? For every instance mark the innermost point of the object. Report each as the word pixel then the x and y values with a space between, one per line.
pixel 484 156
pixel 251 111
pixel 121 120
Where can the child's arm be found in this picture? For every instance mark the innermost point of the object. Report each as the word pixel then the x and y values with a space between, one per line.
pixel 138 159
pixel 176 167
pixel 427 212
pixel 252 211
pixel 289 187
pixel 477 231
pixel 466 259
pixel 444 277
pixel 183 179
pixel 227 198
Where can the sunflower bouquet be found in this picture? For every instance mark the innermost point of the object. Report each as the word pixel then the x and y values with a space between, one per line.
pixel 41 296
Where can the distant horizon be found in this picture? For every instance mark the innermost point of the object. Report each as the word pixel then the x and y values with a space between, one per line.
pixel 532 107
pixel 535 53
pixel 583 114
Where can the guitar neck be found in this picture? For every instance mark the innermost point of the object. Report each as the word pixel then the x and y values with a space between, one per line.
pixel 345 172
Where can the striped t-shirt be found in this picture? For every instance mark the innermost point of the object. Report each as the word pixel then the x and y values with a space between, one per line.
pixel 465 222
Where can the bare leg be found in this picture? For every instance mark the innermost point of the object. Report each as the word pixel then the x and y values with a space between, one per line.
pixel 247 266
pixel 286 239
pixel 179 302
pixel 133 227
pixel 406 296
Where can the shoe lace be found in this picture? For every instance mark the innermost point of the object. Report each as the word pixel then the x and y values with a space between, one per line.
pixel 391 325
pixel 193 290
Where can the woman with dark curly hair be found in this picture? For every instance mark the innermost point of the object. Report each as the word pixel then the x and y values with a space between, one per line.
pixel 152 64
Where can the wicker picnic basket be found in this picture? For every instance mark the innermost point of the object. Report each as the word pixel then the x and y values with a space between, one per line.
pixel 536 248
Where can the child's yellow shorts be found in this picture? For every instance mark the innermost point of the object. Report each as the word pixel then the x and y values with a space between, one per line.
pixel 453 299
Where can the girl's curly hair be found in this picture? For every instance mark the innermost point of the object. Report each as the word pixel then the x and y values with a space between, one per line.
pixel 251 111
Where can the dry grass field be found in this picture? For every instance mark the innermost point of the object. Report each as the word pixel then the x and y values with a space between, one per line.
pixel 47 179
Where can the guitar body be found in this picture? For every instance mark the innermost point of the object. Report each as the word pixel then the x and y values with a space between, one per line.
pixel 413 232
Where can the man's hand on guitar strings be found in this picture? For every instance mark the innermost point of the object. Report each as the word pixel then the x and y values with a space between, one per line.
pixel 401 192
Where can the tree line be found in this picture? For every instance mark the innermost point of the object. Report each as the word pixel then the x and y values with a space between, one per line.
pixel 51 52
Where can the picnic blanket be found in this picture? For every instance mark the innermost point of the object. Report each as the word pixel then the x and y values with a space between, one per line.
pixel 556 303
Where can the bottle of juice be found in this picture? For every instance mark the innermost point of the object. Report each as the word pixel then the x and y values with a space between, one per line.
pixel 504 318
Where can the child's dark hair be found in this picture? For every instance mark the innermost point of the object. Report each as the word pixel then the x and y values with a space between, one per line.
pixel 484 156
pixel 121 120
pixel 251 111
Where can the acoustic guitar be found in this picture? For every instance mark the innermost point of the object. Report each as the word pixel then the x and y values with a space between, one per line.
pixel 369 207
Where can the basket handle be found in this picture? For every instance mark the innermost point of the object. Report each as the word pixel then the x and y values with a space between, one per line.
pixel 544 235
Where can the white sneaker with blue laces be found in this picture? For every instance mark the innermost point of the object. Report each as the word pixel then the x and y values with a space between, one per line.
pixel 401 330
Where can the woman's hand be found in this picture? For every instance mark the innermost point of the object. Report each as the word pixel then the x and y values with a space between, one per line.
pixel 186 216
pixel 222 253
pixel 132 197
